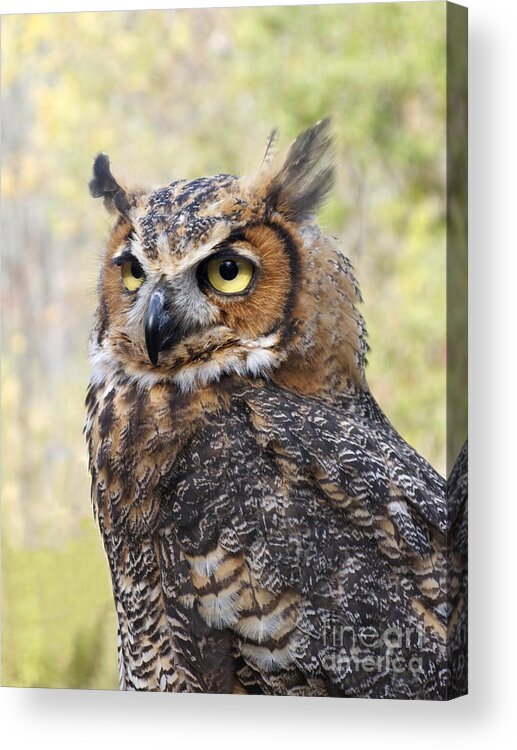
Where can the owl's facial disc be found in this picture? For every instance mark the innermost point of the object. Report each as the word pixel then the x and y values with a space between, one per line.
pixel 221 276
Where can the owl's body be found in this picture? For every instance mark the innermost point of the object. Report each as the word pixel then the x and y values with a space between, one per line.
pixel 267 529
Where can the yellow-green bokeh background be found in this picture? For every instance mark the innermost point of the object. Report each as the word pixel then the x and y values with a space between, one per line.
pixel 173 94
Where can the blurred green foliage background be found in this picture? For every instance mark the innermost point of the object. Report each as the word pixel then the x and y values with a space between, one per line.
pixel 173 94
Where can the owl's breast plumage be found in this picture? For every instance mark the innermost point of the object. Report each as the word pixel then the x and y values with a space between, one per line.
pixel 259 526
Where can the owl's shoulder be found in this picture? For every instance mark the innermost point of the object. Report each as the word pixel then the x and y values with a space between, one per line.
pixel 267 448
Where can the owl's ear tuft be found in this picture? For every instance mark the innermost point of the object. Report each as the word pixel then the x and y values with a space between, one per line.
pixel 270 147
pixel 104 185
pixel 307 174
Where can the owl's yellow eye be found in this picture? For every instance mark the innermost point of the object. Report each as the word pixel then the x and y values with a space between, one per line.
pixel 230 275
pixel 132 274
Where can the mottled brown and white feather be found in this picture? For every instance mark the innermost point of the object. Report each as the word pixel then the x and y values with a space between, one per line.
pixel 259 512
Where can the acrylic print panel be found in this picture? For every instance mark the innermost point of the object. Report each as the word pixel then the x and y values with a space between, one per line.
pixel 276 467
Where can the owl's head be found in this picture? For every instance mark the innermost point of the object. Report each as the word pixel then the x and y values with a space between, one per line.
pixel 226 276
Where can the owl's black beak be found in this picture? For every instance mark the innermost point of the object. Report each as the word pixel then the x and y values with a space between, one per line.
pixel 161 330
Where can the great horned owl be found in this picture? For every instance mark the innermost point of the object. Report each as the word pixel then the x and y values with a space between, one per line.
pixel 267 529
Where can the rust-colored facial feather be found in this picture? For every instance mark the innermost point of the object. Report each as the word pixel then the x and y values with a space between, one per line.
pixel 110 288
pixel 264 308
